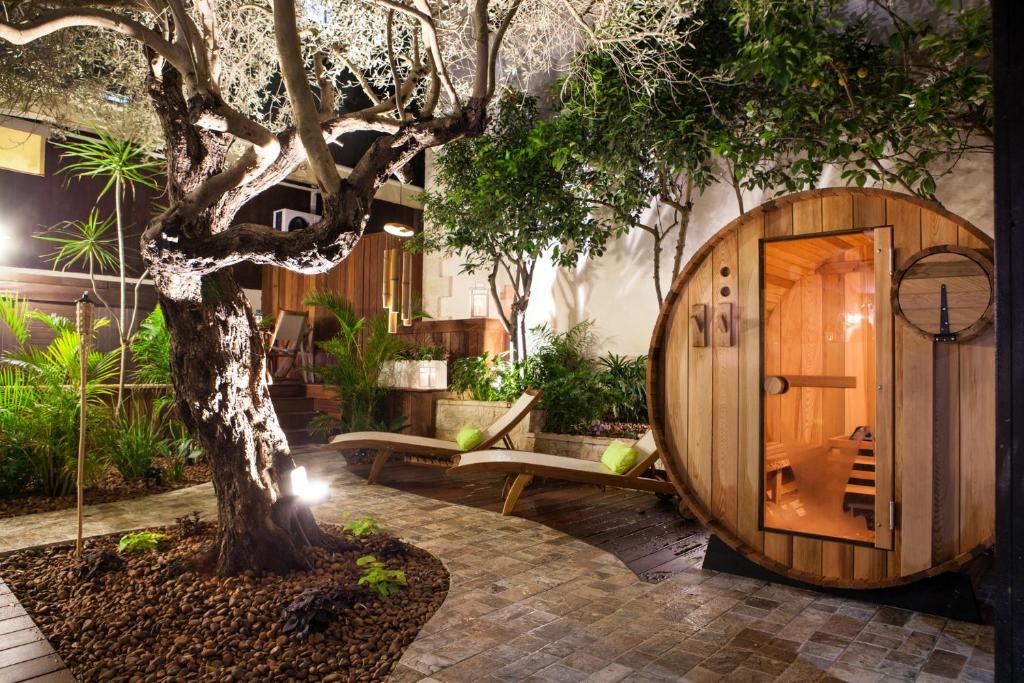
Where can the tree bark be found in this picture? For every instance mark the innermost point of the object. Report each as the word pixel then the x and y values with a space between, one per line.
pixel 219 370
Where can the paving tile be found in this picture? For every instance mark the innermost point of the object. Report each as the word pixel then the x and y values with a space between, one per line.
pixel 529 603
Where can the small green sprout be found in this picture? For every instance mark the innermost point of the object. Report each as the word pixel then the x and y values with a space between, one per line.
pixel 378 578
pixel 140 542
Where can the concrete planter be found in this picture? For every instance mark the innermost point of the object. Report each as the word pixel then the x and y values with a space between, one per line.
pixel 452 414
pixel 415 374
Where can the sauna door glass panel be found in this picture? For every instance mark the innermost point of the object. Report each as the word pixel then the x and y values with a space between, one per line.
pixel 819 379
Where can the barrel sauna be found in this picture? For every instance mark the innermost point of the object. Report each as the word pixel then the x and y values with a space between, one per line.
pixel 804 407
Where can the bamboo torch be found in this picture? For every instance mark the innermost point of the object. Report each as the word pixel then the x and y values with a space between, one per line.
pixel 389 255
pixel 84 314
pixel 394 290
pixel 406 289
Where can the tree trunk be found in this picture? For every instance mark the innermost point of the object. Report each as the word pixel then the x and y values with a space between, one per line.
pixel 219 370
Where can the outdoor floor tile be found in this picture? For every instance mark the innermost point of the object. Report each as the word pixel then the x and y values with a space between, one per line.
pixel 529 603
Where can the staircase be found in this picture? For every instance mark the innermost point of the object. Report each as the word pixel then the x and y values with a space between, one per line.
pixel 294 410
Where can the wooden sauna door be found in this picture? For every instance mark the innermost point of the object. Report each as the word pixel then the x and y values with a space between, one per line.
pixel 827 466
pixel 886 390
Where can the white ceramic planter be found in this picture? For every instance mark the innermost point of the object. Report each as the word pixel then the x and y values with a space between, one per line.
pixel 415 374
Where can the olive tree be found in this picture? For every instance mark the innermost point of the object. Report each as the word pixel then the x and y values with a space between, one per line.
pixel 243 93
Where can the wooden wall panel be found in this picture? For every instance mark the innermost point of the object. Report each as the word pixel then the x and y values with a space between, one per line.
pixel 725 431
pixel 749 389
pixel 700 418
pixel 359 279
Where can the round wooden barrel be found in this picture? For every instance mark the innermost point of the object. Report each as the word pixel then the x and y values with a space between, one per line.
pixel 821 386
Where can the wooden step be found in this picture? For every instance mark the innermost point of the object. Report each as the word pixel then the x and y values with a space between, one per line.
pixel 843 443
pixel 295 420
pixel 281 389
pixel 293 404
pixel 860 490
pixel 864 460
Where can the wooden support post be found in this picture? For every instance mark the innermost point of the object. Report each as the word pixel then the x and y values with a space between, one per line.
pixel 513 493
pixel 378 463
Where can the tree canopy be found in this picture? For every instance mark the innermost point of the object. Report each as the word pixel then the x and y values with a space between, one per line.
pixel 502 204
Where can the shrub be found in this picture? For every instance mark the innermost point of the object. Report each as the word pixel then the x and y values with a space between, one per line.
pixel 475 376
pixel 625 383
pixel 423 352
pixel 141 541
pixel 132 439
pixel 39 401
pixel 378 578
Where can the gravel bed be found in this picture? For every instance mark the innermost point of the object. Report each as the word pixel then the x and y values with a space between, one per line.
pixel 113 488
pixel 151 616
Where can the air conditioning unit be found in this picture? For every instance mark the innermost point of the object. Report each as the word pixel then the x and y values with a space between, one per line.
pixel 287 220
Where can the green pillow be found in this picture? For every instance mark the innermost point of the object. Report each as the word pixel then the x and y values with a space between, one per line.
pixel 468 437
pixel 618 457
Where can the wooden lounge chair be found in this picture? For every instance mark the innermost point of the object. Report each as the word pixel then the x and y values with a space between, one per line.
pixel 526 466
pixel 290 345
pixel 423 450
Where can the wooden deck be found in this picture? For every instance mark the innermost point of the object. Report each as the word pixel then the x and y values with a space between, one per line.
pixel 647 534
pixel 25 654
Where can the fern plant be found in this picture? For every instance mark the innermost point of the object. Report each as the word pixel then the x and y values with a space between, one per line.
pixel 39 400
pixel 359 351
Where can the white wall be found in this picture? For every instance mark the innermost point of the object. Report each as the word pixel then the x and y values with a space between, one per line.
pixel 616 291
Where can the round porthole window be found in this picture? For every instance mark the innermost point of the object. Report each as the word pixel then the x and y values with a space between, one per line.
pixel 945 293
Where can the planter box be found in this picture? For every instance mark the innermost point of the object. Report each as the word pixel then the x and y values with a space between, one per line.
pixel 452 414
pixel 415 374
pixel 582 447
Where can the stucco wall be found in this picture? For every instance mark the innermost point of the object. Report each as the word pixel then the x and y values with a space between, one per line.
pixel 616 291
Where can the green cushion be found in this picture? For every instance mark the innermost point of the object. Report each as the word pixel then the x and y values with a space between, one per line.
pixel 468 437
pixel 618 457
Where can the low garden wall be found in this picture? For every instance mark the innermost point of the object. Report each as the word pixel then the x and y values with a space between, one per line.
pixel 572 446
pixel 452 414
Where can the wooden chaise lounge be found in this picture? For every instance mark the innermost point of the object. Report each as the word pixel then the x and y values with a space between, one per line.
pixel 526 466
pixel 430 452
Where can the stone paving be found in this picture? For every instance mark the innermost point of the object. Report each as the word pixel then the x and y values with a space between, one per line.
pixel 528 603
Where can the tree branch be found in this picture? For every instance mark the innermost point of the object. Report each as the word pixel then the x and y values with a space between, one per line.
pixel 59 20
pixel 307 117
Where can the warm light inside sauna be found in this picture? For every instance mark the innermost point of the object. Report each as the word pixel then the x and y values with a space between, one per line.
pixel 819 365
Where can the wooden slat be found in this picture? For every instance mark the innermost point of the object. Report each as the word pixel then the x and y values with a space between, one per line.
pixel 778 222
pixel 837 560
pixel 945 450
pixel 914 444
pixel 807 216
pixel 869 563
pixel 837 212
pixel 868 211
pixel 886 390
pixel 700 415
pixel 977 440
pixel 807 554
pixel 726 382
pixel 748 467
pixel 676 383
pixel 779 547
